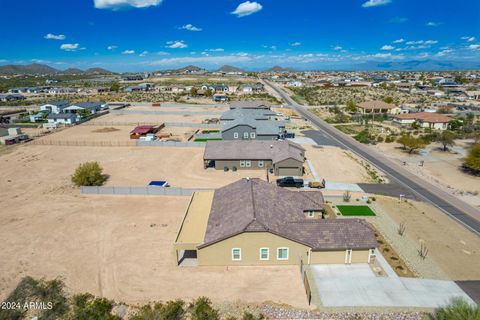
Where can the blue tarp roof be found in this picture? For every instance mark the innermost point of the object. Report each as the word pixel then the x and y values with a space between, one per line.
pixel 159 183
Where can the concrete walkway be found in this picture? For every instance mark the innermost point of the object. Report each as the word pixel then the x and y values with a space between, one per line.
pixel 329 185
pixel 356 285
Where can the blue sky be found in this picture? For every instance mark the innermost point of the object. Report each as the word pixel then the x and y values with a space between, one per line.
pixel 134 35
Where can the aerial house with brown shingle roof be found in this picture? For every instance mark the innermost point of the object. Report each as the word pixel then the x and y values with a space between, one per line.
pixel 280 157
pixel 377 106
pixel 252 222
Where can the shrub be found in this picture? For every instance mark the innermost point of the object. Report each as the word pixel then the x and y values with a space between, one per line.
pixel 472 161
pixel 88 174
pixel 458 309
pixel 172 310
pixel 88 307
pixel 249 316
pixel 380 139
pixel 201 309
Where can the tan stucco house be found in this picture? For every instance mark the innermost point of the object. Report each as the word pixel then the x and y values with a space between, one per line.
pixel 281 157
pixel 430 120
pixel 377 106
pixel 253 222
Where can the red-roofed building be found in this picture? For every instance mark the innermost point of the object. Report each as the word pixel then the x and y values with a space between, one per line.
pixel 143 131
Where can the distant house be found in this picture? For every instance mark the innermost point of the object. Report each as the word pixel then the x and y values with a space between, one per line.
pixel 252 114
pixel 250 104
pixel 92 107
pixel 248 129
pixel 282 158
pixel 54 119
pixel 54 107
pixel 10 136
pixel 295 83
pixel 250 88
pixel 11 97
pixel 132 77
pixel 254 223
pixel 430 120
pixel 377 106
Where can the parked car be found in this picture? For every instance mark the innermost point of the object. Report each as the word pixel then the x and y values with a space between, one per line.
pixel 290 182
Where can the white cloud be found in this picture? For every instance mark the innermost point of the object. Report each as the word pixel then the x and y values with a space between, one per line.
pixel 295 44
pixel 468 38
pixel 118 4
pixel 112 47
pixel 422 42
pixel 128 52
pixel 474 46
pixel 382 55
pixel 399 40
pixel 143 54
pixel 190 27
pixel 273 47
pixel 215 50
pixel 162 53
pixel 433 24
pixel 387 47
pixel 375 3
pixel 51 36
pixel 247 8
pixel 177 44
pixel 71 47
pixel 241 54
pixel 337 48
pixel 444 52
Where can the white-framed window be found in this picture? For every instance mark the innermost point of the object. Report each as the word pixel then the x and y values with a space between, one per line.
pixel 282 253
pixel 252 135
pixel 310 214
pixel 260 163
pixel 242 163
pixel 264 254
pixel 248 163
pixel 235 135
pixel 245 135
pixel 236 254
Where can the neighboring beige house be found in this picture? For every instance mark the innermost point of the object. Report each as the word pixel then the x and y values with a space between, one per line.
pixel 280 157
pixel 253 222
pixel 377 106
pixel 430 120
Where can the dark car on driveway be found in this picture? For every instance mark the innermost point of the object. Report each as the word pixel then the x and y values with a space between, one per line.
pixel 290 182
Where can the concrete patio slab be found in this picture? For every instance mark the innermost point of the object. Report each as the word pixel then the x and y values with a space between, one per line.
pixel 357 285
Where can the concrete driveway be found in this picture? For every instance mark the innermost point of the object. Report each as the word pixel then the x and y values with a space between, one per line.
pixel 356 285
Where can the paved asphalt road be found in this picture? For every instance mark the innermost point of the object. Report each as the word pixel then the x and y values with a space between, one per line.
pixel 450 205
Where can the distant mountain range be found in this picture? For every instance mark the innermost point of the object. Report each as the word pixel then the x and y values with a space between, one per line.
pixel 412 65
pixel 227 69
pixel 42 69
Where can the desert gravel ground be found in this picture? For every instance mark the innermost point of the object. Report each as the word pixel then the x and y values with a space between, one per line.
pixel 118 247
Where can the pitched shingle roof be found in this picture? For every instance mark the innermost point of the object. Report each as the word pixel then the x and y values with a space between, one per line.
pixel 253 205
pixel 253 150
pixel 425 117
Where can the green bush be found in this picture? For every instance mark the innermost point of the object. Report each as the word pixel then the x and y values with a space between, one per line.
pixel 458 309
pixel 250 316
pixel 472 161
pixel 88 174
pixel 172 310
pixel 40 291
pixel 88 307
pixel 201 309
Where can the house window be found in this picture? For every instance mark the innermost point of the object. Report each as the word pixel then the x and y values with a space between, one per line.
pixel 236 254
pixel 245 135
pixel 248 163
pixel 310 214
pixel 264 254
pixel 252 135
pixel 235 135
pixel 282 254
pixel 242 163
pixel 260 163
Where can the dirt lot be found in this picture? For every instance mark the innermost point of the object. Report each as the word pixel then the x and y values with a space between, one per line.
pixel 455 249
pixel 150 118
pixel 119 247
pixel 440 168
pixel 179 108
pixel 333 164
